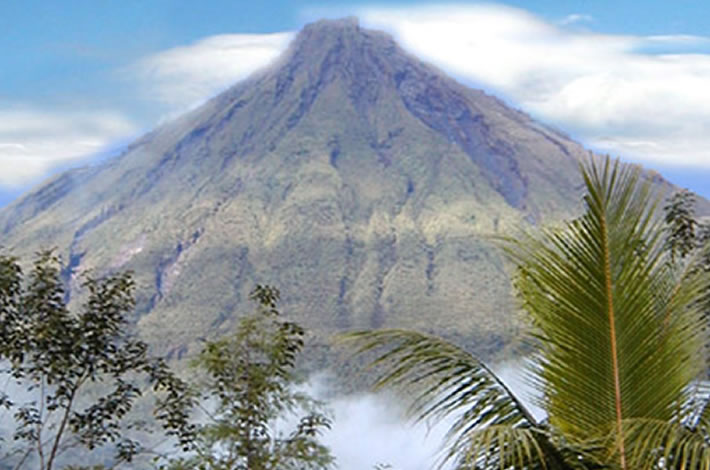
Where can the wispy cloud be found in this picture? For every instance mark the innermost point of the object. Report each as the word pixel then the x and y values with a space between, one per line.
pixel 185 76
pixel 644 97
pixel 576 18
pixel 607 90
pixel 33 141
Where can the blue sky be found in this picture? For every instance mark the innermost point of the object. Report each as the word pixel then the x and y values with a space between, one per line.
pixel 79 78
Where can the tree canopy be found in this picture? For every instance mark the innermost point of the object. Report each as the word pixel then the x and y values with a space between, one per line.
pixel 249 395
pixel 76 376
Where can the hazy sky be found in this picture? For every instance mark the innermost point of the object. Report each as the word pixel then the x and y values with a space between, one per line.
pixel 80 77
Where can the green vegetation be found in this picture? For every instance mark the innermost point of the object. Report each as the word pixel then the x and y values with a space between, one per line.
pixel 686 235
pixel 617 305
pixel 249 393
pixel 617 300
pixel 366 184
pixel 76 376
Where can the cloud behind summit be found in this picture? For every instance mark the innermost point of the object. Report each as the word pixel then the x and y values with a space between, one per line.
pixel 642 97
pixel 645 97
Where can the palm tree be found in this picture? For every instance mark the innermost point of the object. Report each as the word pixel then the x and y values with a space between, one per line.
pixel 619 338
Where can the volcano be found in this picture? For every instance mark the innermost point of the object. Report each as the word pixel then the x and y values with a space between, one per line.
pixel 362 182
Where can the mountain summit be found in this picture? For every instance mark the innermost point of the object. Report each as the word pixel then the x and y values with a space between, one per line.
pixel 360 181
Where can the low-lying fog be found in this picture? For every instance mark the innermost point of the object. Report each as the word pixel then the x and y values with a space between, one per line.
pixel 368 429
pixel 372 429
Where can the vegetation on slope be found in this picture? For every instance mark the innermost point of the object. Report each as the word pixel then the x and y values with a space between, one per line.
pixel 618 300
pixel 360 180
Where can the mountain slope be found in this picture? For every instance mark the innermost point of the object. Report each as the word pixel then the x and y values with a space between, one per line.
pixel 360 181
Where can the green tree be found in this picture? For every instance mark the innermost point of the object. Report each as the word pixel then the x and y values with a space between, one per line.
pixel 617 324
pixel 687 236
pixel 249 393
pixel 76 377
pixel 682 224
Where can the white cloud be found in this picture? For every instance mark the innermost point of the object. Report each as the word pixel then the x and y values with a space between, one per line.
pixel 607 90
pixel 642 97
pixel 32 141
pixel 390 437
pixel 185 76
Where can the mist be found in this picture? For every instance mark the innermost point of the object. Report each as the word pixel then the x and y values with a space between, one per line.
pixel 370 429
pixel 367 428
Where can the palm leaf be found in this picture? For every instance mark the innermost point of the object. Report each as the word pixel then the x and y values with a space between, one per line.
pixel 699 416
pixel 492 424
pixel 657 444
pixel 500 446
pixel 619 336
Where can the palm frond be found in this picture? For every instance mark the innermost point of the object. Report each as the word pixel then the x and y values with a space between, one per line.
pixel 702 419
pixel 447 377
pixel 499 446
pixel 445 380
pixel 695 414
pixel 658 444
pixel 619 335
pixel 620 329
